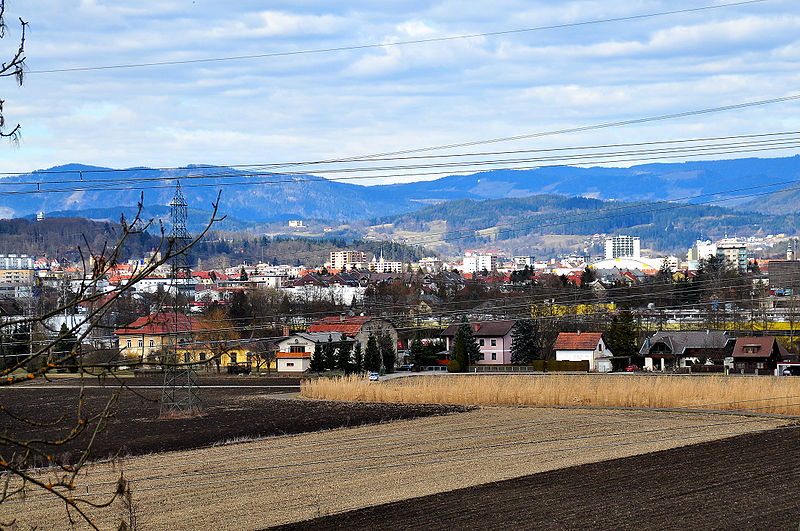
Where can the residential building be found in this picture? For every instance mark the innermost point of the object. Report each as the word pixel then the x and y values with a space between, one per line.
pixel 477 262
pixel 17 276
pixel 622 246
pixel 295 352
pixel 734 251
pixel 584 346
pixel 346 259
pixel 357 327
pixel 147 337
pixel 16 261
pixel 670 350
pixel 295 223
pixel 493 337
pixel 757 355
pixel 379 265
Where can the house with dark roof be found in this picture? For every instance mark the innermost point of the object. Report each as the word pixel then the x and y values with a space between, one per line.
pixel 584 346
pixel 493 337
pixel 671 350
pixel 757 355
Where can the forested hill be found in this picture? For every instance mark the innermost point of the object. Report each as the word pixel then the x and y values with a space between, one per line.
pixel 61 238
pixel 664 226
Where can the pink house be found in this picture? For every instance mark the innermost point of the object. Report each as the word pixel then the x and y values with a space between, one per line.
pixel 493 337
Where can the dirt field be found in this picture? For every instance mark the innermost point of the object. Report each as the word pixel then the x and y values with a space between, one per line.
pixel 743 482
pixel 294 478
pixel 235 409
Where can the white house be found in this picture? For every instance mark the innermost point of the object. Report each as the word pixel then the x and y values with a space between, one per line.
pixel 586 346
pixel 294 352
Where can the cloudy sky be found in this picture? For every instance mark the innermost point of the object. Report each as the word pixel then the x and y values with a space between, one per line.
pixel 376 99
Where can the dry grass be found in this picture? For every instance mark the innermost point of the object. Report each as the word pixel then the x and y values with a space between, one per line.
pixel 760 394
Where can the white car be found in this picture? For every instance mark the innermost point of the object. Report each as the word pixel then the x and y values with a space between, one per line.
pixel 374 377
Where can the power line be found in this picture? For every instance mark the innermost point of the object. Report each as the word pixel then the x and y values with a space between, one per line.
pixel 390 44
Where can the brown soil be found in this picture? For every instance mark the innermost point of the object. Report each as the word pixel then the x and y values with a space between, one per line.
pixel 745 482
pixel 229 413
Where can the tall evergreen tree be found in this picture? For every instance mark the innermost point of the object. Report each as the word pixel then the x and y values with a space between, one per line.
pixel 65 349
pixel 415 350
pixel 388 352
pixel 473 350
pixel 372 357
pixel 317 359
pixel 524 342
pixel 458 353
pixel 358 358
pixel 622 336
pixel 329 354
pixel 343 362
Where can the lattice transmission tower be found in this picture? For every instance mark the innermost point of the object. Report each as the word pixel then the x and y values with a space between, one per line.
pixel 180 393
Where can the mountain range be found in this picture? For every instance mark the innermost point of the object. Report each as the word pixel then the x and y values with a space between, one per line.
pixel 758 188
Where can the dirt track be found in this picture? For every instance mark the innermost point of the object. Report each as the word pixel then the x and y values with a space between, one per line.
pixel 294 478
pixel 746 482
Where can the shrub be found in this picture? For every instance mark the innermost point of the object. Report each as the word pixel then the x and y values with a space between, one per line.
pixel 454 366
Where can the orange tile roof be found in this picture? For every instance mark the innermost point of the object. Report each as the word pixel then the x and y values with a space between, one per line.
pixel 577 341
pixel 348 326
pixel 162 323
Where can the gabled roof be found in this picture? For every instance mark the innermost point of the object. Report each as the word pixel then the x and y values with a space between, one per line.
pixel 679 341
pixel 162 323
pixel 482 328
pixel 578 340
pixel 347 325
pixel 764 346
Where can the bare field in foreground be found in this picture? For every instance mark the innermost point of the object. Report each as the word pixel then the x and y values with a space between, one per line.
pixel 763 394
pixel 294 478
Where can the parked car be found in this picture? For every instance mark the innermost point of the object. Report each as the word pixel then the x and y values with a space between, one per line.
pixel 631 368
pixel 406 367
pixel 374 377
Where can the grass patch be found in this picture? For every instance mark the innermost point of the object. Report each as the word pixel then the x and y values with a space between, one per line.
pixel 763 394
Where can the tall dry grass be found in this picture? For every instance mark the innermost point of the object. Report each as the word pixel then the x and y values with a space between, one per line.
pixel 760 394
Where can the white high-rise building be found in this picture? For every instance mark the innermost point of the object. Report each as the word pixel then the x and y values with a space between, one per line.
pixel 476 262
pixel 623 247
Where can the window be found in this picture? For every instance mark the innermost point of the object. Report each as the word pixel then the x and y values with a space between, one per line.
pixel 494 356
pixel 290 364
pixel 140 343
pixel 152 342
pixel 481 342
pixel 233 357
pixel 494 342
pixel 202 356
pixel 482 356
pixel 759 365
pixel 297 348
pixel 128 343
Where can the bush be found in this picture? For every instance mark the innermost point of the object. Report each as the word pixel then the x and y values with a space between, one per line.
pixel 454 366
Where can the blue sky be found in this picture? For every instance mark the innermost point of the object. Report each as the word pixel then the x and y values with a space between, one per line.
pixel 346 103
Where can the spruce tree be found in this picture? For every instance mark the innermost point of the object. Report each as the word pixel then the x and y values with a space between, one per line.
pixel 416 351
pixel 473 350
pixel 343 357
pixel 458 353
pixel 358 358
pixel 317 360
pixel 372 356
pixel 388 353
pixel 329 354
pixel 524 344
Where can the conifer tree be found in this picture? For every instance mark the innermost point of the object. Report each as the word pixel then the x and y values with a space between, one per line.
pixel 388 353
pixel 343 362
pixel 358 358
pixel 372 357
pixel 415 350
pixel 317 360
pixel 524 343
pixel 329 354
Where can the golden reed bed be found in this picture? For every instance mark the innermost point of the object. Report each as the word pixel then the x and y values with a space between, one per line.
pixel 763 394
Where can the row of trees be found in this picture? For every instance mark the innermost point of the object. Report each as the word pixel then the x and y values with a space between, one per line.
pixel 349 357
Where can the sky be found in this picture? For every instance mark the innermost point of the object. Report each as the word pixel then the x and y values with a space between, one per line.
pixel 378 99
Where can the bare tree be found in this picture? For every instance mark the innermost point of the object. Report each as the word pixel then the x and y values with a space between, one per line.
pixel 12 68
pixel 20 452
